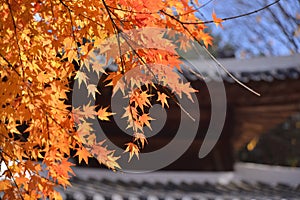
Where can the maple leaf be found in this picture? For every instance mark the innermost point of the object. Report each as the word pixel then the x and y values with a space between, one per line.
pixel 60 171
pixel 21 180
pixel 104 156
pixel 162 97
pixel 72 55
pixel 96 63
pixel 103 114
pixel 81 76
pixel 84 128
pixel 184 43
pixel 82 154
pixel 113 78
pixel 217 20
pixel 89 111
pixel 77 114
pixel 140 99
pixel 69 43
pixel 92 90
pixel 56 195
pixel 5 184
pixel 132 116
pixel 132 149
pixel 145 119
pixel 206 38
pixel 140 137
pixel 112 162
pixel 184 88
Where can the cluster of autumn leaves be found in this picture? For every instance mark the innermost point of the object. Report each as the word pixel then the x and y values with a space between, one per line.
pixel 41 45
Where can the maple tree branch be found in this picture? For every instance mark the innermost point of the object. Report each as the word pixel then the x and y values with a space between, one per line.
pixel 121 57
pixel 154 76
pixel 144 63
pixel 47 124
pixel 131 11
pixel 150 13
pixel 72 27
pixel 116 28
pixel 233 17
pixel 10 173
pixel 80 14
pixel 87 17
pixel 118 39
pixel 16 35
pixel 117 32
pixel 197 74
pixel 196 8
pixel 31 172
pixel 283 29
pixel 211 56
pixel 10 65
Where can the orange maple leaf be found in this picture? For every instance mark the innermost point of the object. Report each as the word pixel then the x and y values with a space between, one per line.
pixel 206 38
pixel 162 97
pixel 140 99
pixel 217 20
pixel 145 119
pixel 132 149
pixel 82 154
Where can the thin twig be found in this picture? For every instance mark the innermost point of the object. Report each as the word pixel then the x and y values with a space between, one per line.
pixel 197 8
pixel 212 57
pixel 10 65
pixel 233 17
pixel 16 35
pixel 131 11
pixel 72 26
pixel 11 174
pixel 145 64
pixel 117 32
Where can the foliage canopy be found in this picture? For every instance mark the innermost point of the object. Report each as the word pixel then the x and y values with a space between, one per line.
pixel 41 44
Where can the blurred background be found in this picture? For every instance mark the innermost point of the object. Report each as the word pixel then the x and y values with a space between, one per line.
pixel 274 31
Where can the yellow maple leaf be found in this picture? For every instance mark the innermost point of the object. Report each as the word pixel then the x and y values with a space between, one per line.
pixel 92 90
pixel 103 114
pixel 140 137
pixel 82 77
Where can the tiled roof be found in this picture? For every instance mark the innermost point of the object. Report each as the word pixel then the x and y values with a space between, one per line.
pixel 105 189
pixel 248 181
pixel 254 69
